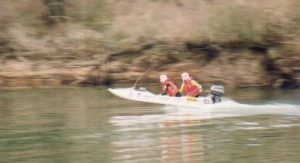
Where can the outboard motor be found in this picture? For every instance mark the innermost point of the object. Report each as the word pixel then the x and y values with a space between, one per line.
pixel 217 91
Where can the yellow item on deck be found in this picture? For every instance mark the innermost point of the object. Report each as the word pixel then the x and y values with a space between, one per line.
pixel 189 98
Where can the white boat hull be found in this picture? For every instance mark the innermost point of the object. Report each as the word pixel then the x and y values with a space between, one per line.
pixel 146 96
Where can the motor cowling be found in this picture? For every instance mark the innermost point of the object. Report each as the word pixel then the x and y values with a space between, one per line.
pixel 217 91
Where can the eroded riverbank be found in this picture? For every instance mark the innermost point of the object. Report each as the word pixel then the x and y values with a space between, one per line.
pixel 208 63
pixel 236 43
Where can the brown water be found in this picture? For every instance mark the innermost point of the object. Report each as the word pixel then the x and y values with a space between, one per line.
pixel 91 125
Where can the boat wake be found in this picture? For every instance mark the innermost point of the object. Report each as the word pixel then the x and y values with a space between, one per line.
pixel 235 108
pixel 228 108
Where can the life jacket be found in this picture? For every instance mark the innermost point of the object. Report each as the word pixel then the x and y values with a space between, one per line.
pixel 172 89
pixel 190 89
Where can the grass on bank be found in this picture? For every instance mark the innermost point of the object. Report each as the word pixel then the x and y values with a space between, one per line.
pixel 226 23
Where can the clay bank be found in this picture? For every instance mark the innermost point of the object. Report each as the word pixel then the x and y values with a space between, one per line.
pixel 207 62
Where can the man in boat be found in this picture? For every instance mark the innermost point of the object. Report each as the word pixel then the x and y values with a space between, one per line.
pixel 168 86
pixel 190 86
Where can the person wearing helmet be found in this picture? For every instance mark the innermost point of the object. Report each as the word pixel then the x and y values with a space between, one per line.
pixel 168 86
pixel 190 86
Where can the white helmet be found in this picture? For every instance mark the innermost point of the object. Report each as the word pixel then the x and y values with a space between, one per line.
pixel 163 78
pixel 185 76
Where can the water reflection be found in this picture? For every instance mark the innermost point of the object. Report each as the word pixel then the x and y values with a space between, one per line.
pixel 208 140
pixel 184 146
pixel 165 141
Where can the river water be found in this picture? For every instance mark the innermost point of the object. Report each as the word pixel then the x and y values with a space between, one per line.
pixel 91 125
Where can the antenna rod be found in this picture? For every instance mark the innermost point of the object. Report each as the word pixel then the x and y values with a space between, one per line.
pixel 138 79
